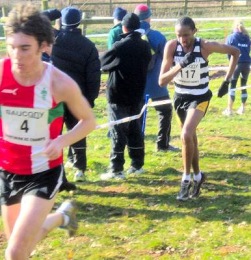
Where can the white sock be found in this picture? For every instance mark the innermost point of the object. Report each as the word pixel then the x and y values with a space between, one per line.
pixel 66 219
pixel 62 209
pixel 197 177
pixel 186 177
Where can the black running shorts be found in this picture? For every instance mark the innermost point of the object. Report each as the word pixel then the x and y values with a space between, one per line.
pixel 44 185
pixel 182 103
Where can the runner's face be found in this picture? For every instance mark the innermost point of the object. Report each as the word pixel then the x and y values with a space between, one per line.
pixel 23 51
pixel 185 35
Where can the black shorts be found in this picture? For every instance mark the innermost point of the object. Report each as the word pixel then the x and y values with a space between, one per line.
pixel 182 103
pixel 44 185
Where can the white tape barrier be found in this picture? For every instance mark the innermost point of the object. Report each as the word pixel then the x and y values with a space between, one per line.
pixel 130 118
pixel 240 88
pixel 151 104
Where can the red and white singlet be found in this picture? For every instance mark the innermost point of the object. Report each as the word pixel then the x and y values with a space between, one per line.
pixel 29 118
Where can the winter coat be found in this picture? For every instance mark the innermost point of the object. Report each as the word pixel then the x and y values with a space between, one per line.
pixel 114 35
pixel 157 42
pixel 78 57
pixel 127 64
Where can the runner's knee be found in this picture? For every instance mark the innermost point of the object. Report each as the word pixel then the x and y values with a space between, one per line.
pixel 16 251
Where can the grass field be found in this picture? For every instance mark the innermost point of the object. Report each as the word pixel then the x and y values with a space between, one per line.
pixel 139 218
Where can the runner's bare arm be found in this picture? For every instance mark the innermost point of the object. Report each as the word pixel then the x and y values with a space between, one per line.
pixel 1 70
pixel 167 72
pixel 215 47
pixel 66 90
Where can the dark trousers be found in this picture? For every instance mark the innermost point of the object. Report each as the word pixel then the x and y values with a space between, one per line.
pixel 165 118
pixel 126 134
pixel 242 70
pixel 77 151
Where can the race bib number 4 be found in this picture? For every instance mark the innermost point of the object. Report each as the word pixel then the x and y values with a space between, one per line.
pixel 25 126
pixel 189 76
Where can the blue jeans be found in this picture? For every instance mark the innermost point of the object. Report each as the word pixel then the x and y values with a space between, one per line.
pixel 126 134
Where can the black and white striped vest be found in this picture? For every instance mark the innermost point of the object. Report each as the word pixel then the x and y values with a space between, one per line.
pixel 194 78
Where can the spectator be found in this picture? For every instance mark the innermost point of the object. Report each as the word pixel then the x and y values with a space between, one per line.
pixel 115 33
pixel 127 63
pixel 78 57
pixel 52 14
pixel 32 93
pixel 239 39
pixel 185 62
pixel 55 15
pixel 157 42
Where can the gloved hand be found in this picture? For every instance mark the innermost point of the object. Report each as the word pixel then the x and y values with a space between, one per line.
pixel 223 90
pixel 188 59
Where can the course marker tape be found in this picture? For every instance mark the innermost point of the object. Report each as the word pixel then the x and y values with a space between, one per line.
pixel 130 118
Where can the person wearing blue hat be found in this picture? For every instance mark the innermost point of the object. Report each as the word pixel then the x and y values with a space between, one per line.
pixel 71 17
pixel 116 31
pixel 78 57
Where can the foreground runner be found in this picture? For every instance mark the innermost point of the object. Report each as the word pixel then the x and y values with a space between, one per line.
pixel 31 97
pixel 186 61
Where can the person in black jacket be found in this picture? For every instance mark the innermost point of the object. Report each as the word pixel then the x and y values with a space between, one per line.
pixel 127 63
pixel 54 15
pixel 77 56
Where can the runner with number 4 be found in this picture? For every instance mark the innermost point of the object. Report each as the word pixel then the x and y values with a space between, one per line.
pixel 32 93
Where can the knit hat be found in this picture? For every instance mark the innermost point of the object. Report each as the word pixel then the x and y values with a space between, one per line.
pixel 52 14
pixel 119 13
pixel 131 21
pixel 143 12
pixel 71 16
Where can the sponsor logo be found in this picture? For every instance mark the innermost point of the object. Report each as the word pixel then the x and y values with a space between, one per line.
pixel 10 91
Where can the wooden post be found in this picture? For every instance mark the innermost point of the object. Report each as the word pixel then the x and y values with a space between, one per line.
pixel 222 4
pixel 110 8
pixel 44 4
pixel 185 6
pixel 4 11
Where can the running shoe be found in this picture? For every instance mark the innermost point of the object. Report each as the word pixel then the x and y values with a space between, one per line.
pixel 69 209
pixel 184 191
pixel 197 185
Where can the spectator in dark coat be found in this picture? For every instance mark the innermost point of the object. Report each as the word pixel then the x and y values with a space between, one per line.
pixel 127 64
pixel 52 15
pixel 77 56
